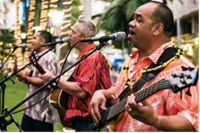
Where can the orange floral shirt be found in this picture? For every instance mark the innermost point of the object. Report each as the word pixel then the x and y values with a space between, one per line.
pixel 164 102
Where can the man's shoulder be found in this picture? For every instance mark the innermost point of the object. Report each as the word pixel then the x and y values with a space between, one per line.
pixel 95 55
pixel 181 61
pixel 49 56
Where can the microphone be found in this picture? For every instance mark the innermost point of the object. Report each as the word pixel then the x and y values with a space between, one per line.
pixel 119 36
pixel 66 39
pixel 19 46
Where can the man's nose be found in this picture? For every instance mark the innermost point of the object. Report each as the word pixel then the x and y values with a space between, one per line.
pixel 70 33
pixel 132 24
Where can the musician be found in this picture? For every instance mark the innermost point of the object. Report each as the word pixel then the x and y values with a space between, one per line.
pixel 41 116
pixel 90 75
pixel 150 32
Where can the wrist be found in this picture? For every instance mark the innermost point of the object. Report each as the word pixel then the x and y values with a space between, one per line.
pixel 156 123
pixel 25 79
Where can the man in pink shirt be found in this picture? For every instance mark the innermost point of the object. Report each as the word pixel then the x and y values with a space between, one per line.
pixel 150 32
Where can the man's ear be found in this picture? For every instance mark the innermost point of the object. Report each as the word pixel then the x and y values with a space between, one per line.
pixel 84 36
pixel 158 29
pixel 43 41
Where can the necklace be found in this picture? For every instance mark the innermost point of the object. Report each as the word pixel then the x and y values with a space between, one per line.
pixel 161 66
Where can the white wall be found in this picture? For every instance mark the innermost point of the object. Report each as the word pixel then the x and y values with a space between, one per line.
pixel 185 8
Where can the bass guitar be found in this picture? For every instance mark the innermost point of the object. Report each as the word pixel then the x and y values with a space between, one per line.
pixel 58 98
pixel 178 81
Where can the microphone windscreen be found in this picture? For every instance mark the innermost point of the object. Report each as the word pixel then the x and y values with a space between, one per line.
pixel 120 36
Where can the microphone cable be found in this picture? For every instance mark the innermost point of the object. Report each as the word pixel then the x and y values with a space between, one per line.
pixel 66 59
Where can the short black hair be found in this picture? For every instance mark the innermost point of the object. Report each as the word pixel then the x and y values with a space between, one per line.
pixel 164 15
pixel 46 35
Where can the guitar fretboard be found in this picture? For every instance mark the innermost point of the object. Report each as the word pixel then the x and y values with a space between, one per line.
pixel 141 95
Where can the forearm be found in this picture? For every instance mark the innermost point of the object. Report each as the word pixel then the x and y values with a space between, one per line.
pixel 34 81
pixel 173 123
pixel 72 88
pixel 109 93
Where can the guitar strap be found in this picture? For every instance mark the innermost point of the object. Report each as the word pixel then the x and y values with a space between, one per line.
pixel 167 54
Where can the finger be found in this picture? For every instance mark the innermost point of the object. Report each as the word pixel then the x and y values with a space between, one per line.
pixel 94 117
pixel 103 106
pixel 96 112
pixel 47 71
pixel 40 76
pixel 127 107
pixel 131 102
pixel 145 103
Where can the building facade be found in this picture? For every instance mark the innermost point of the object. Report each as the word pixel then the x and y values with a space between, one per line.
pixel 187 11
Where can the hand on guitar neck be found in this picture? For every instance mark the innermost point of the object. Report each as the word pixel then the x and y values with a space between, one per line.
pixel 21 75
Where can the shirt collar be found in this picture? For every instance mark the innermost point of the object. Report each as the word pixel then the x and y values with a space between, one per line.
pixel 156 54
pixel 43 52
pixel 86 49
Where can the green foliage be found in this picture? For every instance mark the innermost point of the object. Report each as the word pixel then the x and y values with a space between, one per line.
pixel 6 37
pixel 14 94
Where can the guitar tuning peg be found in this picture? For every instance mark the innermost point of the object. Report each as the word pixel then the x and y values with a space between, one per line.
pixel 183 82
pixel 188 92
pixel 188 76
pixel 174 75
pixel 184 68
pixel 190 68
pixel 181 75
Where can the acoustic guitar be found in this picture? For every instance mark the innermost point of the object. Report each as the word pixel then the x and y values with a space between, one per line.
pixel 28 72
pixel 58 98
pixel 178 81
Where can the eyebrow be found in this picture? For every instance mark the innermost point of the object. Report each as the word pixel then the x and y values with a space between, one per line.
pixel 73 30
pixel 138 15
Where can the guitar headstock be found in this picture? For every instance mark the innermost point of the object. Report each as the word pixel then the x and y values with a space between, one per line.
pixel 33 57
pixel 182 79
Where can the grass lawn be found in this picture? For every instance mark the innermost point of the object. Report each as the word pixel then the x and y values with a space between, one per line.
pixel 15 93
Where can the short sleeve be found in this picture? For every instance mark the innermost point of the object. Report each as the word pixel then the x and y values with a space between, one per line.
pixel 87 75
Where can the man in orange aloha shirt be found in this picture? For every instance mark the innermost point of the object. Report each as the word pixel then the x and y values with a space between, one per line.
pixel 150 33
pixel 90 75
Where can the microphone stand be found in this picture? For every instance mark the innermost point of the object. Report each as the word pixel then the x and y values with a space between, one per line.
pixel 4 123
pixel 8 57
pixel 3 86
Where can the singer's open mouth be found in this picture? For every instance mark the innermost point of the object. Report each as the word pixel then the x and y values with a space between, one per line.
pixel 132 33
